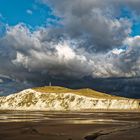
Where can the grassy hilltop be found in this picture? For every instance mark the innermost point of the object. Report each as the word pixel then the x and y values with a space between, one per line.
pixel 85 91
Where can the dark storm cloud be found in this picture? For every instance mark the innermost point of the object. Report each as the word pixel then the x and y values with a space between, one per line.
pixel 94 22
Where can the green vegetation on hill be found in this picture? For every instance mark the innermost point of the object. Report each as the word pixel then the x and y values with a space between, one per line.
pixel 85 92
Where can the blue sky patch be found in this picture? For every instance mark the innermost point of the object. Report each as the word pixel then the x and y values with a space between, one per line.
pixel 29 12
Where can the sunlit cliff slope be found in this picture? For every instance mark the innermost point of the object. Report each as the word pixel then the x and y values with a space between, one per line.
pixel 63 99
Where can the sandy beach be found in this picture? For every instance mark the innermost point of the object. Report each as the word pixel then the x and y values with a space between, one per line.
pixel 17 125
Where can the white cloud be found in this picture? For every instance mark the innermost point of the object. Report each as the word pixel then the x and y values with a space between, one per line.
pixel 28 11
pixel 118 51
pixel 1 16
pixel 132 41
pixel 1 81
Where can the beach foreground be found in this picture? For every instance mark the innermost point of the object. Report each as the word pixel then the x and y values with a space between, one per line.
pixel 15 125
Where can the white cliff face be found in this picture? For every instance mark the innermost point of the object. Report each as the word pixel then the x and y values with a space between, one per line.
pixel 31 100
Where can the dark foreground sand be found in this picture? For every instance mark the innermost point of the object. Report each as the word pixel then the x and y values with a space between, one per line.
pixel 69 126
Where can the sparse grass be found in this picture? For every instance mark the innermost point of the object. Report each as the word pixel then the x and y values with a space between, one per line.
pixel 85 92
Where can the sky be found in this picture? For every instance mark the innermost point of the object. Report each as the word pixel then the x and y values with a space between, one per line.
pixel 71 40
pixel 30 12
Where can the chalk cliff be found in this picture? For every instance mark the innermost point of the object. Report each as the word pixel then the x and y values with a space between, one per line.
pixel 32 99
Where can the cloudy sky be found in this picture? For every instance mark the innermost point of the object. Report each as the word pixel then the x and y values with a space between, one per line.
pixel 70 40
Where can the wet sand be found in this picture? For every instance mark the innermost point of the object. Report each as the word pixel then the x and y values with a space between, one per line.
pixel 17 125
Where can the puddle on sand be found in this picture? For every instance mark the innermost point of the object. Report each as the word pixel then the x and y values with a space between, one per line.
pixel 67 117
